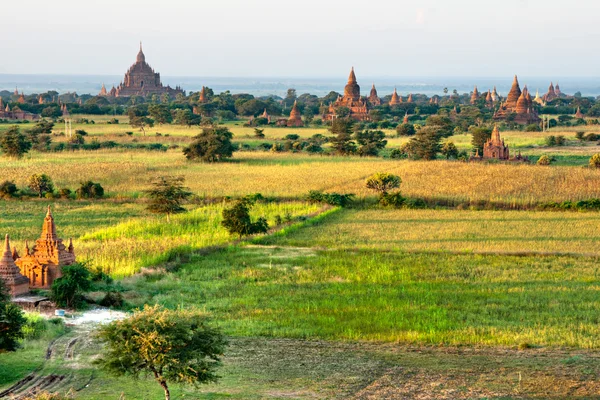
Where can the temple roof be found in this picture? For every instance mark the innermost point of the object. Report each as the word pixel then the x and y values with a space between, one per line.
pixel 514 94
pixel 352 76
pixel 294 113
pixel 9 272
pixel 49 228
pixel 141 58
pixel 496 136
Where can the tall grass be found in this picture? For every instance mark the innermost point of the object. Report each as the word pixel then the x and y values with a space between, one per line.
pixel 451 230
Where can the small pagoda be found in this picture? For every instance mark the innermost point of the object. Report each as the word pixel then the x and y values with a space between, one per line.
pixel 395 100
pixel 295 118
pixel 16 283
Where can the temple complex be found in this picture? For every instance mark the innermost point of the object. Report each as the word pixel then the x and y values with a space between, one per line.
pixel 142 80
pixel 395 100
pixel 495 148
pixel 295 118
pixel 16 283
pixel 519 104
pixel 374 99
pixel 16 113
pixel 358 106
pixel 42 265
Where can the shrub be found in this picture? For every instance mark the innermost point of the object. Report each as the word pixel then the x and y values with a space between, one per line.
pixel 213 144
pixel 595 161
pixel 550 140
pixel 580 135
pixel 544 160
pixel 560 140
pixel 8 189
pixel 112 299
pixel 405 130
pixel 392 199
pixel 90 190
pixel 333 199
pixel 65 193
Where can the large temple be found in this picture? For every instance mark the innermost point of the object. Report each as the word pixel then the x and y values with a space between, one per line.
pixel 42 264
pixel 352 100
pixel 518 106
pixel 141 80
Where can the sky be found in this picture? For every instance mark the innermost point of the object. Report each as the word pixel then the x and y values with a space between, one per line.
pixel 309 38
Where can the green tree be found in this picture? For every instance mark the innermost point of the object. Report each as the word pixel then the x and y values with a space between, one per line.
pixel 172 346
pixel 167 195
pixel 370 142
pixel 67 291
pixel 213 144
pixel 383 182
pixel 13 143
pixel 41 184
pixel 405 130
pixel 12 321
pixel 449 150
pixel 425 144
pixel 160 113
pixel 342 143
pixel 141 122
pixel 237 220
pixel 595 161
pixel 478 138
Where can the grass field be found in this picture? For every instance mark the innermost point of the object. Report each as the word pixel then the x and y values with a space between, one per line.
pixel 455 231
pixel 356 303
pixel 123 238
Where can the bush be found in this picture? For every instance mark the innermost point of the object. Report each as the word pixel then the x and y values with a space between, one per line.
pixel 382 182
pixel 41 184
pixel 237 221
pixel 550 140
pixel 595 161
pixel 112 299
pixel 8 189
pixel 67 291
pixel 333 199
pixel 65 193
pixel 392 199
pixel 544 160
pixel 90 190
pixel 405 130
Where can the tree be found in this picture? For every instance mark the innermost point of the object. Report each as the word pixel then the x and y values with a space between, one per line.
pixel 41 184
pixel 12 321
pixel 425 145
pixel 13 143
pixel 173 346
pixel 213 144
pixel 595 161
pixel 139 121
pixel 67 291
pixel 383 182
pixel 444 124
pixel 237 220
pixel 342 143
pixel 449 150
pixel 167 195
pixel 478 138
pixel 370 142
pixel 405 130
pixel 160 113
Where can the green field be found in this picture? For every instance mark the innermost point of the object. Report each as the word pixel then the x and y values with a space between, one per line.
pixel 479 295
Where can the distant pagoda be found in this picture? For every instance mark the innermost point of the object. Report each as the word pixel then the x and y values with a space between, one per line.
pixel 142 80
pixel 518 106
pixel 395 100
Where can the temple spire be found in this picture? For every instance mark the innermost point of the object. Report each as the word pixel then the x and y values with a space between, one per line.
pixel 352 76
pixel 7 245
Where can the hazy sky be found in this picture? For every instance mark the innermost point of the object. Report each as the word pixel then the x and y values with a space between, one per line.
pixel 303 38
